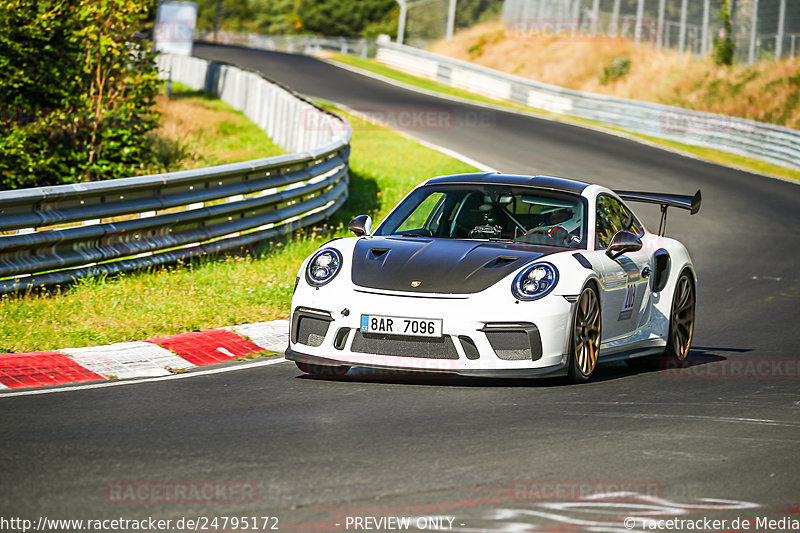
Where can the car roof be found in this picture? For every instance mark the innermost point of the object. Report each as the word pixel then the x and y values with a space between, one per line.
pixel 541 182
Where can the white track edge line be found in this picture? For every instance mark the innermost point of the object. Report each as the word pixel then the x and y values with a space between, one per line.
pixel 104 384
pixel 446 151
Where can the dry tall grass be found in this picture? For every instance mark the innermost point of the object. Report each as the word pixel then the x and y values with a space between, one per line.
pixel 768 92
pixel 197 131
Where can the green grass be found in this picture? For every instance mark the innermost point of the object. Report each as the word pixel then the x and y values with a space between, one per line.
pixel 217 292
pixel 715 156
pixel 198 130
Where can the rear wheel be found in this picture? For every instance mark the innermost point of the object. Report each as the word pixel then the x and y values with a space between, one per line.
pixel 585 345
pixel 322 370
pixel 681 322
pixel 681 330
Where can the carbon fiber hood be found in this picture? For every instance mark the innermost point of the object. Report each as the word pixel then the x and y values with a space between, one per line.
pixel 445 266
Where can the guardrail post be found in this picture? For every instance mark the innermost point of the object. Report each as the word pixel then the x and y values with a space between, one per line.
pixel 682 34
pixel 751 56
pixel 639 17
pixel 781 28
pixel 615 18
pixel 451 19
pixel 401 23
pixel 704 47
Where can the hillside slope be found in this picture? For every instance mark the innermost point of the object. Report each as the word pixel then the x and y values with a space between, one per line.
pixel 769 92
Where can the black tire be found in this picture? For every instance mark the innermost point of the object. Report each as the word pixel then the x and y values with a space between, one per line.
pixel 322 370
pixel 681 322
pixel 585 336
pixel 681 330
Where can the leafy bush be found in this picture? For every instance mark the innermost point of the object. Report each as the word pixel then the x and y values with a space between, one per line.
pixel 618 68
pixel 77 91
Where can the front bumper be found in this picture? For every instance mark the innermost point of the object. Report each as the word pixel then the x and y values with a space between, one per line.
pixel 541 372
pixel 483 335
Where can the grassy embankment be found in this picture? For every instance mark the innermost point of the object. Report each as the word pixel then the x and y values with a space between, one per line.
pixel 768 92
pixel 198 130
pixel 226 291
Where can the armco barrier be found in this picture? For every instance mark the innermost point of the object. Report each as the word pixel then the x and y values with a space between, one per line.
pixel 52 235
pixel 758 140
pixel 294 44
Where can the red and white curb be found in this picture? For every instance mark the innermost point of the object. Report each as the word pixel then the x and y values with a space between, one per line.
pixel 142 359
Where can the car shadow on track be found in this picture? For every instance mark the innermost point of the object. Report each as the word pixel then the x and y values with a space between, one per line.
pixel 605 372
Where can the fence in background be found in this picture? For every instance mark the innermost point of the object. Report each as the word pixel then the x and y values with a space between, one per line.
pixel 766 142
pixel 762 29
pixel 52 235
pixel 295 44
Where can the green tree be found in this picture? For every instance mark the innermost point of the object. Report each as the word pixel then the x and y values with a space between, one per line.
pixel 77 91
pixel 348 18
pixel 351 18
pixel 471 12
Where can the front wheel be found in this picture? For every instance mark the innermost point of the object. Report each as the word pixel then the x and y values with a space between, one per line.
pixel 323 370
pixel 585 345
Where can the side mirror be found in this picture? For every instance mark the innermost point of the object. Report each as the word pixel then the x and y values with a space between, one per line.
pixel 361 225
pixel 622 243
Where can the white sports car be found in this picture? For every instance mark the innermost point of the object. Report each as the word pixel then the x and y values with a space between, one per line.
pixel 497 275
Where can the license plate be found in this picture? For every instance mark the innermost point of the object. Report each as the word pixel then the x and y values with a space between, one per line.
pixel 395 325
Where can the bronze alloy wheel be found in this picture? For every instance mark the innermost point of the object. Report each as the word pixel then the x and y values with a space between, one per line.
pixel 585 336
pixel 682 319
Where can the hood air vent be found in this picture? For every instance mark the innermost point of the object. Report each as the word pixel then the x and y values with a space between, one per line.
pixel 501 261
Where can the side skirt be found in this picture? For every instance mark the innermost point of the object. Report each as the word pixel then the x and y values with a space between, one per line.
pixel 631 354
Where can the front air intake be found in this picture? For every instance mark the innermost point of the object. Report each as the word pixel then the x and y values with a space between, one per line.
pixel 514 341
pixel 309 326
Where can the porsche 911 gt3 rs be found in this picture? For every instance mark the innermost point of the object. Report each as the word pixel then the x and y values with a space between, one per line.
pixel 498 275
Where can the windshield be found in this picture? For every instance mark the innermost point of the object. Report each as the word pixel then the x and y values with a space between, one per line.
pixel 490 212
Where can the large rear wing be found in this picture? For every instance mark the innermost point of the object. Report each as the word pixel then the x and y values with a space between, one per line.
pixel 682 201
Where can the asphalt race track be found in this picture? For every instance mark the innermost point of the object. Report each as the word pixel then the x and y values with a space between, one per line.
pixel 720 441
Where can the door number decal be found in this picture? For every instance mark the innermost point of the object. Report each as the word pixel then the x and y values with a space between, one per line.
pixel 628 302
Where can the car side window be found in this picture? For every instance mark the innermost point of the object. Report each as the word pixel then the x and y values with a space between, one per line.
pixel 613 216
pixel 421 217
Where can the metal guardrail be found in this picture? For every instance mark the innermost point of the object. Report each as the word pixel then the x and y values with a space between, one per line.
pixel 295 44
pixel 758 140
pixel 52 235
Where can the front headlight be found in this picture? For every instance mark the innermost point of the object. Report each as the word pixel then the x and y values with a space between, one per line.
pixel 323 266
pixel 535 281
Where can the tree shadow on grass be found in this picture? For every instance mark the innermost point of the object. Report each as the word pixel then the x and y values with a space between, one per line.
pixel 363 199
